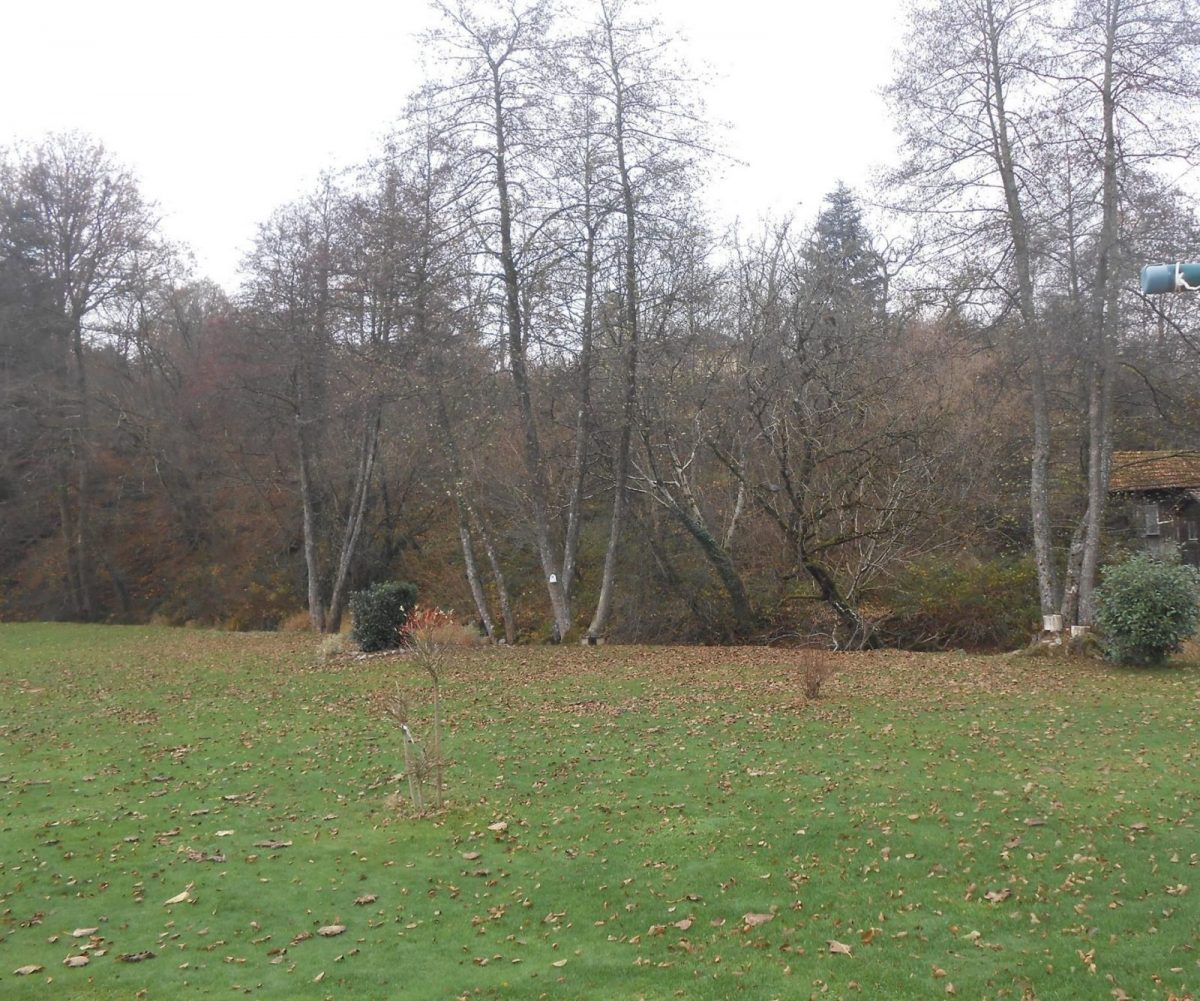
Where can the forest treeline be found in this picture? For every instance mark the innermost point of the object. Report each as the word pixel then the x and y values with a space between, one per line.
pixel 511 359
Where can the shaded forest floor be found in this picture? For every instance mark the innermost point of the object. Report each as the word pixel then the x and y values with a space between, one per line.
pixel 667 822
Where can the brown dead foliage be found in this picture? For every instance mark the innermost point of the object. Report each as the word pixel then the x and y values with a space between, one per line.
pixel 771 678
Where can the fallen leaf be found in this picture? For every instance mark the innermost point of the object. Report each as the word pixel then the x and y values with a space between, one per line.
pixel 328 931
pixel 1034 822
pixel 500 826
pixel 867 936
pixel 717 922
pixel 76 961
pixel 471 856
pixel 656 930
pixel 752 920
pixel 938 973
pixel 684 925
pixel 179 898
pixel 135 957
pixel 272 844
pixel 224 834
pixel 996 896
pixel 25 971
pixel 366 898
pixel 838 948
pixel 319 977
pixel 560 963
pixel 84 932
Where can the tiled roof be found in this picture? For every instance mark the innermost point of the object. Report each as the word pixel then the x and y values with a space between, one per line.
pixel 1178 469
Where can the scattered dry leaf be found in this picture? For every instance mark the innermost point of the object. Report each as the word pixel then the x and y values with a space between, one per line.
pixel 328 931
pixel 76 961
pixel 84 932
pixel 752 920
pixel 25 971
pixel 179 898
pixel 837 948
pixel 500 826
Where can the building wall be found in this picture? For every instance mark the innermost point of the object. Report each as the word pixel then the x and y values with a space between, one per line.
pixel 1167 525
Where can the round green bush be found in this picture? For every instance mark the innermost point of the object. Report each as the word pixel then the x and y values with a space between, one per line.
pixel 379 613
pixel 1146 609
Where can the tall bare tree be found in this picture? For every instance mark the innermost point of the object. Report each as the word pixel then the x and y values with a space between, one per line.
pixel 495 100
pixel 85 237
pixel 655 133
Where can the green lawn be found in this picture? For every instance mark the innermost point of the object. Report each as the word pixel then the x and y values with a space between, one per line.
pixel 964 826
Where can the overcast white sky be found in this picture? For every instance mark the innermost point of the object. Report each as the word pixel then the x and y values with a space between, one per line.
pixel 226 109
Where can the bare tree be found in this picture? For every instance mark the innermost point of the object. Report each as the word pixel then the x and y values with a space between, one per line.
pixel 654 132
pixel 494 102
pixel 1130 63
pixel 291 285
pixel 971 105
pixel 86 237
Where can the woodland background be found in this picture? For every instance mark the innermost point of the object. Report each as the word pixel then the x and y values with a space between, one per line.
pixel 510 359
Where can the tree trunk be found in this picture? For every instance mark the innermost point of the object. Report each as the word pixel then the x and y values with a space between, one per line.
pixel 470 522
pixel 1104 326
pixel 67 528
pixel 692 518
pixel 84 572
pixel 1043 543
pixel 583 426
pixel 473 581
pixel 629 398
pixel 1039 494
pixel 1070 600
pixel 316 608
pixel 485 536
pixel 861 634
pixel 354 522
pixel 517 362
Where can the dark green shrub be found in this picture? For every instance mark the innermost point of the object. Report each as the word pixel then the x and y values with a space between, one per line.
pixel 1146 609
pixel 941 603
pixel 379 613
